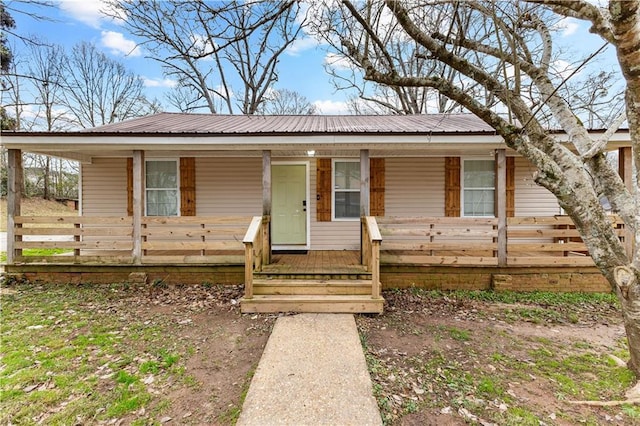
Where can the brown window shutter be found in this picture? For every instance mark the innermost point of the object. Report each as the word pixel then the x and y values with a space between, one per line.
pixel 377 182
pixel 129 186
pixel 511 186
pixel 323 188
pixel 452 186
pixel 188 186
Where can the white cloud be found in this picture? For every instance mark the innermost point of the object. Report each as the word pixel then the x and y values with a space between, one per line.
pixel 118 44
pixel 157 82
pixel 89 12
pixel 201 45
pixel 331 107
pixel 302 44
pixel 568 26
pixel 562 68
pixel 338 62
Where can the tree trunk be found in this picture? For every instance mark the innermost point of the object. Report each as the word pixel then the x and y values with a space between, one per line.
pixel 627 280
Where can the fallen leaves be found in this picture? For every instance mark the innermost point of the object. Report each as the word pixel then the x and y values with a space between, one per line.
pixel 432 355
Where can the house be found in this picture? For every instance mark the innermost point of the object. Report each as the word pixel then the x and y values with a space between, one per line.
pixel 343 204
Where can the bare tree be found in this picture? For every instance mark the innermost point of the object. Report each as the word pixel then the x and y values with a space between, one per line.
pixel 287 102
pixel 410 58
pixel 511 57
pixel 597 99
pixel 46 67
pixel 44 72
pixel 199 43
pixel 99 90
pixel 181 98
pixel 11 95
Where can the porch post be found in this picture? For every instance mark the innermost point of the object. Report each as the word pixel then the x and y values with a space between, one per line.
pixel 15 184
pixel 625 169
pixel 625 166
pixel 266 207
pixel 365 179
pixel 501 204
pixel 138 204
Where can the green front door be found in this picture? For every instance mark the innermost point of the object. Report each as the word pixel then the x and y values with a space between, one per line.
pixel 289 204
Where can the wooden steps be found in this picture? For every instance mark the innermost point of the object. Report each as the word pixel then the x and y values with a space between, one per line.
pixel 312 303
pixel 303 275
pixel 311 287
pixel 312 295
pixel 319 281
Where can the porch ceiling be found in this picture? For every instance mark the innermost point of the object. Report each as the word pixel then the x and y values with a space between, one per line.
pixel 84 146
pixel 87 156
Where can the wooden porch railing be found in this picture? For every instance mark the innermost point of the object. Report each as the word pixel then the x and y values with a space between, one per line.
pixel 439 240
pixel 370 245
pixel 109 240
pixel 551 241
pixel 72 239
pixel 531 241
pixel 193 239
pixel 457 241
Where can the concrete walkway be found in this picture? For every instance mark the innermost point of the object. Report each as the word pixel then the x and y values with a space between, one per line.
pixel 312 372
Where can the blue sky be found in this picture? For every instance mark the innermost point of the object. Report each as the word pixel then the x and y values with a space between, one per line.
pixel 302 68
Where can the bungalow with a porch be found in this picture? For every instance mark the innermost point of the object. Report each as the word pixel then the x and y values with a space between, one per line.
pixel 311 213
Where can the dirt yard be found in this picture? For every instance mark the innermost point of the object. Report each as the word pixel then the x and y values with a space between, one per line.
pixel 185 355
pixel 447 359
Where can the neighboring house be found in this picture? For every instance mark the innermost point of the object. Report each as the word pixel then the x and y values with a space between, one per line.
pixel 455 208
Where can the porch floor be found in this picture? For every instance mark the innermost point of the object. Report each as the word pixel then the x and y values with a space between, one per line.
pixel 316 262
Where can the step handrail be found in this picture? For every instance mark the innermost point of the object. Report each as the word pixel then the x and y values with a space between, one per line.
pixel 371 240
pixel 252 254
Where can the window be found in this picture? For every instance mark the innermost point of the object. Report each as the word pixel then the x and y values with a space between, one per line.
pixel 161 183
pixel 346 189
pixel 478 185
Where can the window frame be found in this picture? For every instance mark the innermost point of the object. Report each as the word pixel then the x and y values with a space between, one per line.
pixel 333 190
pixel 463 188
pixel 177 188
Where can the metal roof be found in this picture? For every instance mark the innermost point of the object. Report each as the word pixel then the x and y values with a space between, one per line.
pixel 212 124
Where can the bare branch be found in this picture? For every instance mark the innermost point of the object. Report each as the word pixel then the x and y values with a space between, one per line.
pixel 211 44
pixel 600 144
pixel 583 10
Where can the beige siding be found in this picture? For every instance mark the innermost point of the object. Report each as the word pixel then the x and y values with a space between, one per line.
pixel 334 235
pixel 233 186
pixel 532 199
pixel 104 187
pixel 228 186
pixel 414 187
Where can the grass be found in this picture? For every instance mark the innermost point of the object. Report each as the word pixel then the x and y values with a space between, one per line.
pixel 541 299
pixel 36 253
pixel 535 307
pixel 66 359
